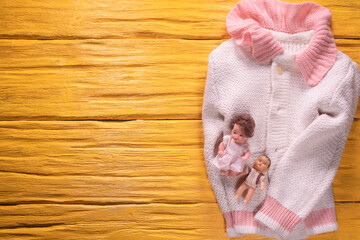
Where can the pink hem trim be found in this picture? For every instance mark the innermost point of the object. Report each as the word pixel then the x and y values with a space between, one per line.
pixel 320 217
pixel 286 218
pixel 241 218
pixel 248 20
pixel 228 220
pixel 316 218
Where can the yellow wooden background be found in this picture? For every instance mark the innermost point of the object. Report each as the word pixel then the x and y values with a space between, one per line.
pixel 100 119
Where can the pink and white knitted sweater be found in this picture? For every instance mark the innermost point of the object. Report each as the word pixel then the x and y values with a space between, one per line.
pixel 282 67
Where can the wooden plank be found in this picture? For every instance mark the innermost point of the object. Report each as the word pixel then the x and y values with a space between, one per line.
pixel 121 162
pixel 182 19
pixel 108 79
pixel 153 221
pixel 124 162
pixel 103 79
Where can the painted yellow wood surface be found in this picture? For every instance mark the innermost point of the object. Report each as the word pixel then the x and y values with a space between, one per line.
pixel 100 130
pixel 141 221
pixel 125 179
pixel 180 19
pixel 109 79
pixel 131 161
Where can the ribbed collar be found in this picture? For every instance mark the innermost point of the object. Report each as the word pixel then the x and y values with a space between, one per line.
pixel 249 20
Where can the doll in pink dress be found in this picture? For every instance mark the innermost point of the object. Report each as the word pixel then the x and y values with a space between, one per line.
pixel 234 150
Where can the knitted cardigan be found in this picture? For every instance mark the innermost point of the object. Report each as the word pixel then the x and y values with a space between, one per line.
pixel 282 67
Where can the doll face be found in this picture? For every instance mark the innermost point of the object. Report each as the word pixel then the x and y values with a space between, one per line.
pixel 262 164
pixel 238 134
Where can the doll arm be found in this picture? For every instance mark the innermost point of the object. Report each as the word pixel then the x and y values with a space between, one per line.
pixel 213 124
pixel 246 153
pixel 223 144
pixel 221 149
pixel 262 185
pixel 304 174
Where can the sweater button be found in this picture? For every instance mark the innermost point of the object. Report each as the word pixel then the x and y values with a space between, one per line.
pixel 279 69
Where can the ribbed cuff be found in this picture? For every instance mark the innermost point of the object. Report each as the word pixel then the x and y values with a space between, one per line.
pixel 276 217
pixel 231 233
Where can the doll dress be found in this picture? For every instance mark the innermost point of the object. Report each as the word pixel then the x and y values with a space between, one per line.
pixel 231 160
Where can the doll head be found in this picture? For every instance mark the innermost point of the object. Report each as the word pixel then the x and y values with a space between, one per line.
pixel 262 164
pixel 242 128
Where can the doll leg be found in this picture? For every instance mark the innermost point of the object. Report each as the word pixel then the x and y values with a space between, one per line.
pixel 249 194
pixel 241 189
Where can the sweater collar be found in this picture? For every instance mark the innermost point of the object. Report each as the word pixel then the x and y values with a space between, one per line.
pixel 249 21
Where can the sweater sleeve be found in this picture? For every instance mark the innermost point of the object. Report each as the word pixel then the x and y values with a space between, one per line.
pixel 308 166
pixel 213 123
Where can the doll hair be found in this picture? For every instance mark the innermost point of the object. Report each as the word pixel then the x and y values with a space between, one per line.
pixel 246 121
pixel 269 160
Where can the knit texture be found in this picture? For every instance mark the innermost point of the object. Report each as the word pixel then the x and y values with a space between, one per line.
pixel 302 127
pixel 249 21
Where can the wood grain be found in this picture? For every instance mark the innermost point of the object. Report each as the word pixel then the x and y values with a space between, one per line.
pixel 101 19
pixel 72 73
pixel 121 162
pixel 108 79
pixel 129 221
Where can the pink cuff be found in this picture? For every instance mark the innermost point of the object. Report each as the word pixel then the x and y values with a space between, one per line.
pixel 277 217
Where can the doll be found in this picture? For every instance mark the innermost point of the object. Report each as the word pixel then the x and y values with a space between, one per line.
pixel 234 150
pixel 255 176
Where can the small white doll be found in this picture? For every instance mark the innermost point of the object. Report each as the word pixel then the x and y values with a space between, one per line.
pixel 234 150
